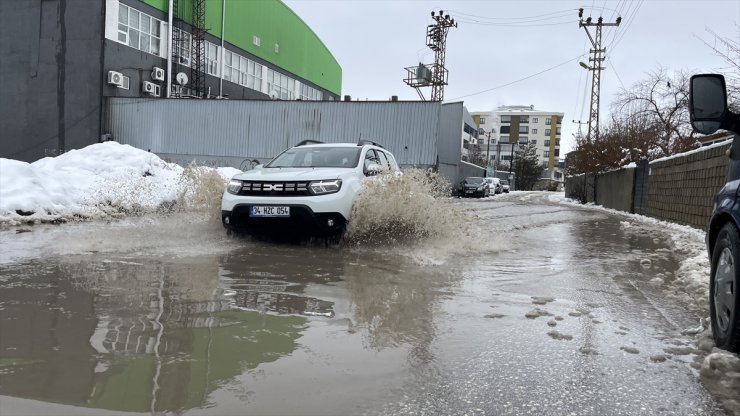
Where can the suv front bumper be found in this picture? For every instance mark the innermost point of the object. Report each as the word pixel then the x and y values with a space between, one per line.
pixel 302 221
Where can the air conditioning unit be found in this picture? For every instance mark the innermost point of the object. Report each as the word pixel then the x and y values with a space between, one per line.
pixel 115 78
pixel 149 88
pixel 158 74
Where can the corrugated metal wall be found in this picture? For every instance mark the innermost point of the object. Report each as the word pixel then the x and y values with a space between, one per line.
pixel 229 129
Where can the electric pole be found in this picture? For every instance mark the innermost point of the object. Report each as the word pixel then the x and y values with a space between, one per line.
pixel 597 58
pixel 580 133
pixel 434 75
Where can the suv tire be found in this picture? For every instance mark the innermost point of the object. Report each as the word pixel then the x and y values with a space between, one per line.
pixel 724 291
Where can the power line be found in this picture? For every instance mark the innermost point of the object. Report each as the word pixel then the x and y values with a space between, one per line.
pixel 618 38
pixel 519 80
pixel 569 22
pixel 564 12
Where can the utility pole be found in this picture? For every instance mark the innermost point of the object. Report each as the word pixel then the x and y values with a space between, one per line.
pixel 597 58
pixel 488 150
pixel 434 75
pixel 580 132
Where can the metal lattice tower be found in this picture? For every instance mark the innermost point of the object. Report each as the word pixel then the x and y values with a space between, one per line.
pixel 176 40
pixel 597 58
pixel 437 41
pixel 198 54
pixel 433 75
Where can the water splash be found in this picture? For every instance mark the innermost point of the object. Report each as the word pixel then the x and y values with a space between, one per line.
pixel 414 215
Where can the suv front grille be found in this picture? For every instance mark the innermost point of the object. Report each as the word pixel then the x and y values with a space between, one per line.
pixel 254 188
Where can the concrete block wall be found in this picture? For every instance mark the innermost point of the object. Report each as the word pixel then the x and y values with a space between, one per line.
pixel 615 189
pixel 680 189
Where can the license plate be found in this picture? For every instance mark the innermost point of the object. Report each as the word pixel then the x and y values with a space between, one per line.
pixel 269 211
pixel 469 192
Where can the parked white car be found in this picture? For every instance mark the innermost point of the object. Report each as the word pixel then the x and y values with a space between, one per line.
pixel 307 189
pixel 495 184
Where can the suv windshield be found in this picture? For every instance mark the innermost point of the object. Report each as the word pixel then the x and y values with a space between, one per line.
pixel 317 157
pixel 474 181
pixel 504 182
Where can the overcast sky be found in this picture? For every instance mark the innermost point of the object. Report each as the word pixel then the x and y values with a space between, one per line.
pixel 501 41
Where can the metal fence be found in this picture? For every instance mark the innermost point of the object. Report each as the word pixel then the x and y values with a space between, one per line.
pixel 231 131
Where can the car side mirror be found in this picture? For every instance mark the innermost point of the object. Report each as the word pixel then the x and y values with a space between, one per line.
pixel 708 102
pixel 372 169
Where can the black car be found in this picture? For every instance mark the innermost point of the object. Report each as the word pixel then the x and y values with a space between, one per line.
pixel 709 112
pixel 474 186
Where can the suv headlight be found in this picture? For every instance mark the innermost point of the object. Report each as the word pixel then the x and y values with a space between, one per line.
pixel 234 186
pixel 325 187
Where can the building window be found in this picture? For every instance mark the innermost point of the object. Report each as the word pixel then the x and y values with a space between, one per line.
pixel 557 152
pixel 547 132
pixel 482 120
pixel 547 143
pixel 523 139
pixel 534 131
pixel 282 85
pixel 505 157
pixel 557 142
pixel 546 153
pixel 533 141
pixel 231 66
pixel 548 121
pixel 309 93
pixel 256 40
pixel 523 129
pixel 535 120
pixel 506 119
pixel 242 71
pixel 523 119
pixel 212 66
pixel 557 131
pixel 183 44
pixel 138 30
pixel 504 139
pixel 505 129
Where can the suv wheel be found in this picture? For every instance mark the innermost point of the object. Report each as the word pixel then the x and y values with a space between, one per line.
pixel 725 296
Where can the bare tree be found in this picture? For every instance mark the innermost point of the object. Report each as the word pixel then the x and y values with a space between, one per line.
pixel 728 48
pixel 659 104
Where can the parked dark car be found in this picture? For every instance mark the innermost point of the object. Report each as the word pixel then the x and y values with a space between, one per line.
pixel 474 186
pixel 709 112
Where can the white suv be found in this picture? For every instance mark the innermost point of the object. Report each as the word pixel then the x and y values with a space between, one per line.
pixel 307 189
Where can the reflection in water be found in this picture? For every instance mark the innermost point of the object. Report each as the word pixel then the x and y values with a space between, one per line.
pixel 129 336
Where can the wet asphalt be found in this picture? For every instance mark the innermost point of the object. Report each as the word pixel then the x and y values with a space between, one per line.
pixel 551 315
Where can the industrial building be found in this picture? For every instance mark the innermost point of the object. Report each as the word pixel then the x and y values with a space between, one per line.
pixel 64 60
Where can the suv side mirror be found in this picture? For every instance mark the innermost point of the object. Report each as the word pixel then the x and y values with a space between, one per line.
pixel 372 169
pixel 708 103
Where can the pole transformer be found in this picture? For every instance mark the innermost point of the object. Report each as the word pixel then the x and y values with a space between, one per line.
pixel 597 58
pixel 433 75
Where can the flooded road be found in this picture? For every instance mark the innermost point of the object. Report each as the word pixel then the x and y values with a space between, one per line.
pixel 548 310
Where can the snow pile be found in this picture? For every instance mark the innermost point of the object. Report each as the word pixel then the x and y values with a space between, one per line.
pixel 97 181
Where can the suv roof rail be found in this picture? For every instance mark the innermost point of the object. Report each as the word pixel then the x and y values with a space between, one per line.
pixel 363 142
pixel 305 142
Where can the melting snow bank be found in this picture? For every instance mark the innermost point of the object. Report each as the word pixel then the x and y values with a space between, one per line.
pixel 103 180
pixel 718 369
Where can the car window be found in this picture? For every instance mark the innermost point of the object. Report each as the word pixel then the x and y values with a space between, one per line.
pixel 383 159
pixel 474 180
pixel 317 157
pixel 392 161
pixel 370 157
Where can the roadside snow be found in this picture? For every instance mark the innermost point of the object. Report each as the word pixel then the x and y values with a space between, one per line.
pixel 99 180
